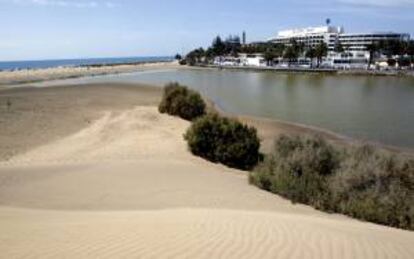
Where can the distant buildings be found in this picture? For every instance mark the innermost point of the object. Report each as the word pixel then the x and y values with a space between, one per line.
pixel 354 46
pixel 323 47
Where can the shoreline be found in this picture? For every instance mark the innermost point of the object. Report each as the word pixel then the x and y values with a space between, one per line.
pixel 339 72
pixel 114 69
pixel 300 129
pixel 27 76
pixel 268 128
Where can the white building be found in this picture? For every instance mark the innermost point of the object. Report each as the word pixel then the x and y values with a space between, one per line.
pixel 226 61
pixel 355 54
pixel 256 60
pixel 310 37
pixel 243 59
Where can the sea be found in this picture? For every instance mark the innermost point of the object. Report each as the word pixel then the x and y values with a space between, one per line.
pixel 38 64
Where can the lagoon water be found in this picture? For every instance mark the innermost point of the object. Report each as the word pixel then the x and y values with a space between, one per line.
pixel 376 109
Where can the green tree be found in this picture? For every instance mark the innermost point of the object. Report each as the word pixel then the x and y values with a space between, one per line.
pixel 311 54
pixel 397 47
pixel 233 45
pixel 392 48
pixel 218 46
pixel 269 56
pixel 290 54
pixel 279 49
pixel 178 57
pixel 195 56
pixel 209 54
pixel 339 48
pixel 373 49
pixel 321 51
pixel 410 50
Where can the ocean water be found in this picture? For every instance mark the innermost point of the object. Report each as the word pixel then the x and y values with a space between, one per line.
pixel 36 64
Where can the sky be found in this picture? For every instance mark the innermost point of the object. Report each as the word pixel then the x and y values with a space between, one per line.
pixel 56 29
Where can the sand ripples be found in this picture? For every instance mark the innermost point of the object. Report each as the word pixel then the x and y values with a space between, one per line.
pixel 191 233
pixel 126 187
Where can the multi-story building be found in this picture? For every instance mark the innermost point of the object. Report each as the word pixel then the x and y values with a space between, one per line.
pixel 310 37
pixel 355 52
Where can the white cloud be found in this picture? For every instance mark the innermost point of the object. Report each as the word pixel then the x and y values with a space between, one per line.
pixel 67 3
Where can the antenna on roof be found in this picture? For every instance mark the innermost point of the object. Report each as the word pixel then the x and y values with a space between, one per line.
pixel 328 21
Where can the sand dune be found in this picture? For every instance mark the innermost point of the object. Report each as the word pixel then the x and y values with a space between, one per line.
pixel 135 159
pixel 125 186
pixel 193 233
pixel 131 134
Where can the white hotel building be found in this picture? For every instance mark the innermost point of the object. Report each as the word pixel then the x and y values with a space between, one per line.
pixel 355 44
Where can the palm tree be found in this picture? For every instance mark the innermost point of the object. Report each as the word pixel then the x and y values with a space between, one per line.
pixel 373 50
pixel 279 49
pixel 410 50
pixel 339 48
pixel 300 48
pixel 269 56
pixel 310 53
pixel 321 51
pixel 290 54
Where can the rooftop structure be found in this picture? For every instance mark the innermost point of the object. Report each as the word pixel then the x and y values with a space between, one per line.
pixel 309 31
pixel 332 36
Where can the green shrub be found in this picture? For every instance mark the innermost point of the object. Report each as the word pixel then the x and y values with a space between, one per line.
pixel 298 170
pixel 225 141
pixel 361 182
pixel 375 186
pixel 180 101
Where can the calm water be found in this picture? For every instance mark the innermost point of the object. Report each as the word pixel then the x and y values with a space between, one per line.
pixel 35 64
pixel 379 109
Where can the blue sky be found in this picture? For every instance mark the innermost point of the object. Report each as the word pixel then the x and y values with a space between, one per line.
pixel 48 29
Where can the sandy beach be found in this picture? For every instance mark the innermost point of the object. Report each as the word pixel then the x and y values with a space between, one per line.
pixel 55 73
pixel 94 171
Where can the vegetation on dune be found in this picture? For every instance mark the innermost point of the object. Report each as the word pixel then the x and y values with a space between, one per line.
pixel 375 186
pixel 362 182
pixel 224 140
pixel 298 169
pixel 180 101
pixel 215 138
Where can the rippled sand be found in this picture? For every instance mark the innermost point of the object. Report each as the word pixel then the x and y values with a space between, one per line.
pixel 122 184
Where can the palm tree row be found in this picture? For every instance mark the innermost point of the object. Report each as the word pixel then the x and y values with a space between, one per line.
pixel 270 51
pixel 403 50
pixel 294 50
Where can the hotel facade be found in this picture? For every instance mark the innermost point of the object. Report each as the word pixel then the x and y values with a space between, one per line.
pixel 355 54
